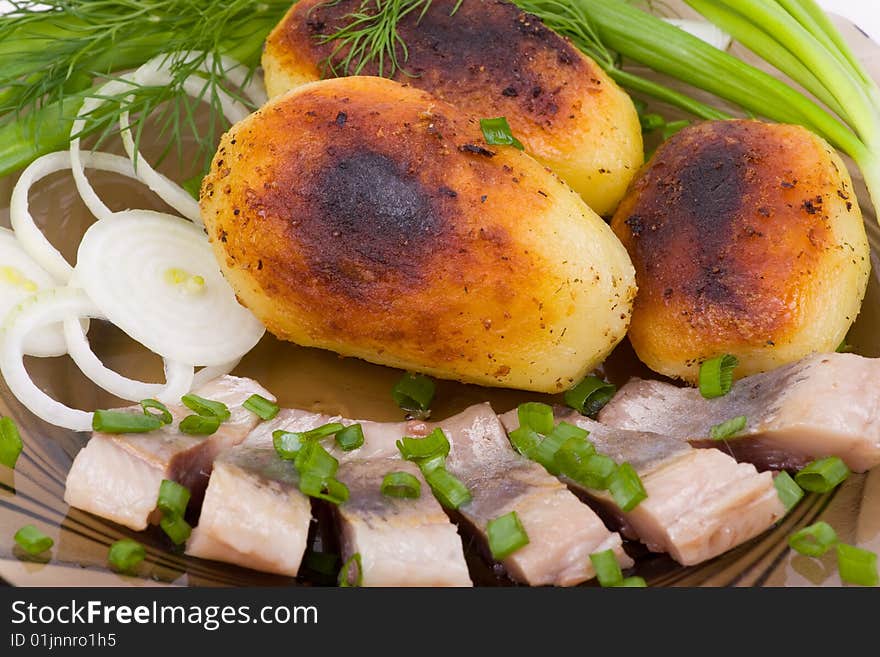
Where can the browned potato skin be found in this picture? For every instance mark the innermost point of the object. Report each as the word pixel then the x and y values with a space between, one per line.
pixel 490 59
pixel 747 239
pixel 369 218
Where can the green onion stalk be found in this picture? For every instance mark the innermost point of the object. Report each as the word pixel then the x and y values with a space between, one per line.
pixel 794 36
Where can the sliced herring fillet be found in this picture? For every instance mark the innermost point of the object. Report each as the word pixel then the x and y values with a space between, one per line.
pixel 117 476
pixel 700 503
pixel 562 531
pixel 254 514
pixel 823 405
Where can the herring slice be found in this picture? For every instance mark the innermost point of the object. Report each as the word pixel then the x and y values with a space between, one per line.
pixel 700 503
pixel 823 405
pixel 254 514
pixel 562 531
pixel 117 476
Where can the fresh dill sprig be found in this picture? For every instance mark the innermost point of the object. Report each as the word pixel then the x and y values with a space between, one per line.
pixel 57 53
pixel 371 35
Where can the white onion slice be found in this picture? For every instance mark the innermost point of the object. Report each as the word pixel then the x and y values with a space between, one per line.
pixel 703 30
pixel 179 377
pixel 20 279
pixel 43 309
pixel 210 373
pixel 123 265
pixel 29 235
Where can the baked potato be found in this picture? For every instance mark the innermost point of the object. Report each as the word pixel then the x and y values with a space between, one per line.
pixel 490 59
pixel 747 239
pixel 372 219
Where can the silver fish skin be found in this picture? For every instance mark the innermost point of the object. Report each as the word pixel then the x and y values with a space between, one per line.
pixel 823 405
pixel 700 503
pixel 117 476
pixel 562 531
pixel 254 514
pixel 401 542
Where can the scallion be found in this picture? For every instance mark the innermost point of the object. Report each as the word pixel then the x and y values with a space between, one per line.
pixel 823 475
pixel 524 440
pixel 788 491
pixel 414 393
pixel 546 450
pixel 497 132
pixel 176 528
pixel 345 574
pixel 264 408
pixel 125 555
pixel 813 541
pixel 401 484
pixel 10 442
pixel 124 422
pixel 173 498
pixel 351 437
pixel 857 566
pixel 313 459
pixel 607 569
pixel 417 449
pixel 536 416
pixel 164 414
pixel 633 582
pixel 626 487
pixel 716 376
pixel 506 535
pixel 323 431
pixel 590 395
pixel 448 490
pixel 206 407
pixel 32 540
pixel 595 472
pixel 287 444
pixel 323 487
pixel 572 456
pixel 729 428
pixel 199 425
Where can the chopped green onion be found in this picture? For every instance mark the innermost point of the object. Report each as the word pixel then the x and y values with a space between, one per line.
pixel 572 456
pixel 524 440
pixel 176 528
pixel 843 347
pixel 536 416
pixel 401 484
pixel 788 490
pixel 497 132
pixel 350 437
pixel 414 393
pixel 125 554
pixel 545 451
pixel 199 425
pixel 287 443
pixel 823 475
pixel 813 541
pixel 595 472
pixel 164 414
pixel 590 395
pixel 626 487
pixel 32 540
pixel 264 408
pixel 506 536
pixel 314 460
pixel 857 566
pixel 124 422
pixel 323 488
pixel 417 449
pixel 448 490
pixel 323 431
pixel 566 431
pixel 673 127
pixel 173 498
pixel 728 428
pixel 345 573
pixel 607 569
pixel 10 442
pixel 206 407
pixel 716 376
pixel 633 583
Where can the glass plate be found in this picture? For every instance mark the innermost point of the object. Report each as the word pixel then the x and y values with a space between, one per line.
pixel 309 378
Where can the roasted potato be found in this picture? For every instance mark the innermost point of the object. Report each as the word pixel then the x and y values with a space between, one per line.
pixel 490 59
pixel 372 219
pixel 747 239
